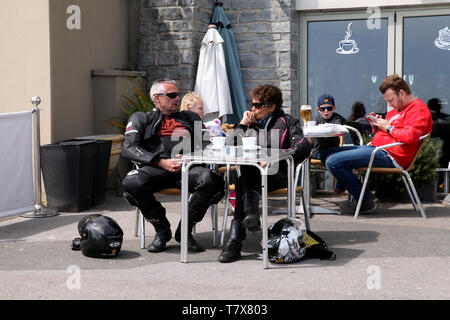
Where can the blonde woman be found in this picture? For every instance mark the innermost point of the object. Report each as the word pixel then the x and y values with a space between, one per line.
pixel 192 102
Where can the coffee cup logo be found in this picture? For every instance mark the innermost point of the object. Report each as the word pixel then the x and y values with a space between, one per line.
pixel 348 46
pixel 443 40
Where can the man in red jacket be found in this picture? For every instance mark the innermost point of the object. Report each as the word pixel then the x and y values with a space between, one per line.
pixel 409 119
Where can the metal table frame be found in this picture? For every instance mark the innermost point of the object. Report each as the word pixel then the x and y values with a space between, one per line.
pixel 446 173
pixel 265 156
pixel 306 177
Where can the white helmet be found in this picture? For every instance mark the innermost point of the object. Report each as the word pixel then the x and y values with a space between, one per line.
pixel 287 241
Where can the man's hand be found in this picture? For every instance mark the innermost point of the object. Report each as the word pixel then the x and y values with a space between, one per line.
pixel 248 118
pixel 171 165
pixel 378 121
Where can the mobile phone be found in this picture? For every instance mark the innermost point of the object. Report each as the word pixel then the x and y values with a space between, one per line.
pixel 371 117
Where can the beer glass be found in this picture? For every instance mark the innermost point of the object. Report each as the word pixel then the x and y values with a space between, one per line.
pixel 305 113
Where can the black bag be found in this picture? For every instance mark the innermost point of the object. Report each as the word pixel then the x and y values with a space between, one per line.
pixel 317 248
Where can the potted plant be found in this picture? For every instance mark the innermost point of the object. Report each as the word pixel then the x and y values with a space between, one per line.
pixel 139 101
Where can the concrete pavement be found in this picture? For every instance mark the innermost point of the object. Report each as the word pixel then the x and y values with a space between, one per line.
pixel 392 253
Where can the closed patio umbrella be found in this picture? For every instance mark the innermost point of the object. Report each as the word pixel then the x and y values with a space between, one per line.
pixel 211 81
pixel 233 65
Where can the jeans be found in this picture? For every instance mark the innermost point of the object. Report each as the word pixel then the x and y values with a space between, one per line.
pixel 340 162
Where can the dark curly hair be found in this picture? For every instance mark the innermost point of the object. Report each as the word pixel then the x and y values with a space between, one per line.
pixel 268 94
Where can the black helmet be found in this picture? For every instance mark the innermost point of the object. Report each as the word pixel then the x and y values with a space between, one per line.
pixel 286 241
pixel 101 236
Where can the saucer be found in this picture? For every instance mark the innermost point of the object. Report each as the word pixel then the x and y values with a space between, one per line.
pixel 353 51
pixel 213 147
pixel 440 45
pixel 251 148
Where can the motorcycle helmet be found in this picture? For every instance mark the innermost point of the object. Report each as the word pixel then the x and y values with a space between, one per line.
pixel 286 241
pixel 101 236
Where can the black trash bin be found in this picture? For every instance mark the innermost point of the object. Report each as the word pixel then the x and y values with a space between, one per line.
pixel 68 174
pixel 75 173
pixel 102 155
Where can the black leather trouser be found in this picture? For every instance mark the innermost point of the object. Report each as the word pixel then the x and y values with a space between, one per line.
pixel 206 186
pixel 248 189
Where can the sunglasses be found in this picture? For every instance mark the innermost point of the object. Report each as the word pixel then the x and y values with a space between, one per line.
pixel 259 105
pixel 171 95
pixel 322 109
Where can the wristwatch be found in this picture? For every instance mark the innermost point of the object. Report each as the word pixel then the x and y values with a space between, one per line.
pixel 388 130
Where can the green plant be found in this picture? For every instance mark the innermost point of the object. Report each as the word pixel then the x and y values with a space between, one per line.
pixel 139 101
pixel 423 174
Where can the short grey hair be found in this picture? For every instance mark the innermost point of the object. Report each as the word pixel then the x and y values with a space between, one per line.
pixel 158 87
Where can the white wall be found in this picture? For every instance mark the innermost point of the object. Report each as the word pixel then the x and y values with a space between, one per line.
pixel 100 43
pixel 25 58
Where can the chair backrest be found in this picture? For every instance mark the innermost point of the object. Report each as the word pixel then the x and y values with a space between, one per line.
pixel 422 141
pixel 355 132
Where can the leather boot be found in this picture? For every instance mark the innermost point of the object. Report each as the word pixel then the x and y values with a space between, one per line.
pixel 160 240
pixel 251 209
pixel 193 246
pixel 232 250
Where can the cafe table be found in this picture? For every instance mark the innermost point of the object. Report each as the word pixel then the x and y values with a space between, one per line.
pixel 231 155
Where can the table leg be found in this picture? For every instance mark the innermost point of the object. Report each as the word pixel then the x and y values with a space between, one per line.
pixel 306 180
pixel 184 210
pixel 306 175
pixel 446 181
pixel 291 206
pixel 264 218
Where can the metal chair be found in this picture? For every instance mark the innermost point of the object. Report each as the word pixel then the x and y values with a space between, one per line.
pixel 404 174
pixel 278 192
pixel 140 220
pixel 317 164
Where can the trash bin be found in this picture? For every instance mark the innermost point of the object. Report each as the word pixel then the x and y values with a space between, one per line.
pixel 68 169
pixel 75 173
pixel 102 156
pixel 116 147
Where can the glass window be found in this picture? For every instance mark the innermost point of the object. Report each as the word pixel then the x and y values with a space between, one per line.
pixel 426 58
pixel 347 60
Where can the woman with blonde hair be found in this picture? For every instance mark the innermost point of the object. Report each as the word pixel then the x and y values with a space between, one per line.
pixel 192 102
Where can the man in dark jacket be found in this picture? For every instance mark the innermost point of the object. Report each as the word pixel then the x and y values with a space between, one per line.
pixel 265 116
pixel 151 139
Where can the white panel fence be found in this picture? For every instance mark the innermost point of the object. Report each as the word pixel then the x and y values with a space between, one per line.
pixel 20 188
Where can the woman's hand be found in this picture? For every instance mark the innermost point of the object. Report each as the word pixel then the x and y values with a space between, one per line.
pixel 248 118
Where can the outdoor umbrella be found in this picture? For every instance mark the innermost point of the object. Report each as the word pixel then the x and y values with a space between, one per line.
pixel 233 65
pixel 211 81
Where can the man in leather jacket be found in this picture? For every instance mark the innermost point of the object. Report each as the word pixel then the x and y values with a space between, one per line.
pixel 152 140
pixel 277 130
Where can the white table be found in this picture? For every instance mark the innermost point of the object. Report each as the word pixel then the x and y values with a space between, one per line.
pixel 237 156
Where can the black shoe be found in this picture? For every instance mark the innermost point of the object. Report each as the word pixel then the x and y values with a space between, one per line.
pixel 366 207
pixel 231 252
pixel 193 246
pixel 159 243
pixel 252 223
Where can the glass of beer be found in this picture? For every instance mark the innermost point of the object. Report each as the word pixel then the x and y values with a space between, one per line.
pixel 305 113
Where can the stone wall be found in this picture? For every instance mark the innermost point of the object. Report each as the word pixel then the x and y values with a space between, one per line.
pixel 266 36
